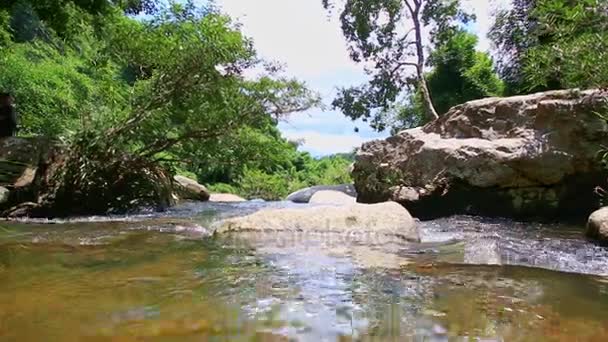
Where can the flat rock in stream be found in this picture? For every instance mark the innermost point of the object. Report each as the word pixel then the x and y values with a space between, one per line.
pixel 332 197
pixel 388 219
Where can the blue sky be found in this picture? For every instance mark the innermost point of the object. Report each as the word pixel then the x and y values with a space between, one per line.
pixel 301 35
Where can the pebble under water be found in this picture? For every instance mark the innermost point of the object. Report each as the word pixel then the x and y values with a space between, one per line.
pixel 163 277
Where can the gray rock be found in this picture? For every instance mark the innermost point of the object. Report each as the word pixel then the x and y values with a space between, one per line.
pixel 370 221
pixel 190 189
pixel 523 156
pixel 304 195
pixel 597 225
pixel 332 197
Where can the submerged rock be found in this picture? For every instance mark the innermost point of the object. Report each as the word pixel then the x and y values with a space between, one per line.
pixel 523 156
pixel 304 195
pixel 226 198
pixel 190 189
pixel 597 225
pixel 331 197
pixel 387 219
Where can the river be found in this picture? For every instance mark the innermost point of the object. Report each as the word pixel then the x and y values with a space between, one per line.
pixel 163 277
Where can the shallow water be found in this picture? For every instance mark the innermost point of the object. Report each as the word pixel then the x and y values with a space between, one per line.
pixel 162 277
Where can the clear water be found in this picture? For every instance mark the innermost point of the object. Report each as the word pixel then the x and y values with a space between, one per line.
pixel 164 278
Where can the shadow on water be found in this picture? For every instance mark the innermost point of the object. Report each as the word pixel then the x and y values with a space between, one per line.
pixel 163 278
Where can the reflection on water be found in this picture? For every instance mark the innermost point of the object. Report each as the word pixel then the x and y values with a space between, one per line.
pixel 163 278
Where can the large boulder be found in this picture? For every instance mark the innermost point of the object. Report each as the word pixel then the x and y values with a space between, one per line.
pixel 304 195
pixel 20 159
pixel 524 156
pixel 190 189
pixel 597 225
pixel 387 219
pixel 332 197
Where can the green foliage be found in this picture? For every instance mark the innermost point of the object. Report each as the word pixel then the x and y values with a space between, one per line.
pixel 131 96
pixel 223 188
pixel 94 179
pixel 552 44
pixel 393 98
pixel 225 159
pixel 374 30
pixel 36 19
pixel 258 184
pixel 5 30
pixel 576 54
pixel 460 73
pixel 305 172
pixel 56 90
pixel 329 170
pixel 513 35
pixel 274 181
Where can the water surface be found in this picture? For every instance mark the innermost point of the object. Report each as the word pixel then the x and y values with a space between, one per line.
pixel 164 278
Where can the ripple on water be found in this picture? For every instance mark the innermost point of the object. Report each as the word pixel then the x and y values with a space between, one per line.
pixel 506 242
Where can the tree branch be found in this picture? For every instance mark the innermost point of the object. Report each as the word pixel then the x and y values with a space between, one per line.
pixel 410 8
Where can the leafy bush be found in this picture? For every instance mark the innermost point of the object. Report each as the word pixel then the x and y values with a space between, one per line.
pixel 552 44
pixel 305 172
pixel 224 188
pixel 258 184
pixel 58 91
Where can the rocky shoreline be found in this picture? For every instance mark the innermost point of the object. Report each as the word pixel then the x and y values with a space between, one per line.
pixel 526 157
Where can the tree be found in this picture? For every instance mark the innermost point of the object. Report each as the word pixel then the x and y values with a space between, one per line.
pixel 552 44
pixel 387 35
pixel 574 49
pixel 513 33
pixel 63 17
pixel 135 98
pixel 460 73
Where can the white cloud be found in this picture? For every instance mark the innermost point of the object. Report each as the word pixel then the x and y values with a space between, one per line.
pixel 295 32
pixel 320 144
pixel 484 11
pixel 300 34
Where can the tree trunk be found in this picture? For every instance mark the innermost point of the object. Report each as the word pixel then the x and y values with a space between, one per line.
pixel 429 108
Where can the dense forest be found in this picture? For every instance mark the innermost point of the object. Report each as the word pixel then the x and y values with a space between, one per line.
pixel 148 84
pixel 136 87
